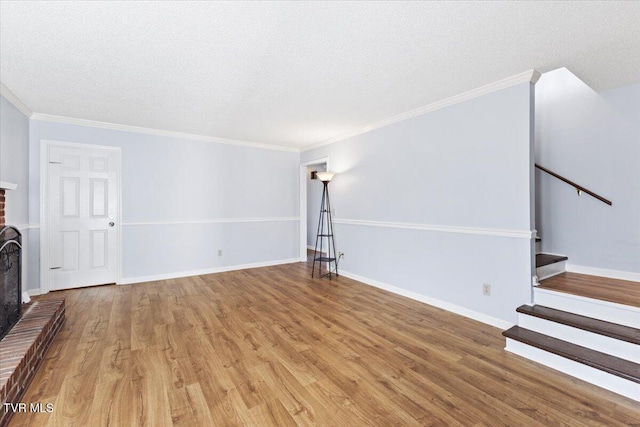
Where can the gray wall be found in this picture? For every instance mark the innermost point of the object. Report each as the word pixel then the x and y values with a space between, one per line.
pixel 314 199
pixel 14 167
pixel 14 161
pixel 467 167
pixel 173 186
pixel 593 139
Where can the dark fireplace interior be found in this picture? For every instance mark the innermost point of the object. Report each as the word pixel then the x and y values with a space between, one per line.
pixel 10 278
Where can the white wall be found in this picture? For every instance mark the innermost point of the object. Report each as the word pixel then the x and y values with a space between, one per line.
pixel 184 199
pixel 594 140
pixel 423 204
pixel 314 200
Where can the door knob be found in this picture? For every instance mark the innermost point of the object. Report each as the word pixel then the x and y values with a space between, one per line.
pixel 111 224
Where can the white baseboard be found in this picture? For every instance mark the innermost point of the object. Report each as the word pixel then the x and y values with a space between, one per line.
pixel 34 292
pixel 604 272
pixel 177 275
pixel 575 369
pixel 463 311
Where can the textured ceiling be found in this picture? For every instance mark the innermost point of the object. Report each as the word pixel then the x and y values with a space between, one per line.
pixel 295 73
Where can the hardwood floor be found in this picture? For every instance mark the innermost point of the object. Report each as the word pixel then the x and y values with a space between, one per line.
pixel 602 288
pixel 272 347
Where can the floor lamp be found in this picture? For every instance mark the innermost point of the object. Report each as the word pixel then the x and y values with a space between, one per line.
pixel 325 231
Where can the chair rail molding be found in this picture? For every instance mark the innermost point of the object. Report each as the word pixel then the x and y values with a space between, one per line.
pixel 212 221
pixel 519 234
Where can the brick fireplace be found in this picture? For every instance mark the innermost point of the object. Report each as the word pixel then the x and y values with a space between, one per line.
pixel 26 330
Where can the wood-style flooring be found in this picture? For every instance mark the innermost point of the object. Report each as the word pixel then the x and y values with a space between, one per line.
pixel 272 347
pixel 602 288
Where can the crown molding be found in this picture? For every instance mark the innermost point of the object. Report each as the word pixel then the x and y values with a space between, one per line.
pixel 13 99
pixel 156 132
pixel 530 76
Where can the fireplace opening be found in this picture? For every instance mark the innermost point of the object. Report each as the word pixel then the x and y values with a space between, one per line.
pixel 10 278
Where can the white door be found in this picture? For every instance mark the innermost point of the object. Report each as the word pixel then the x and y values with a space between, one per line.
pixel 83 216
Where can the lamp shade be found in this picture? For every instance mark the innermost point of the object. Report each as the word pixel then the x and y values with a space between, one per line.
pixel 325 176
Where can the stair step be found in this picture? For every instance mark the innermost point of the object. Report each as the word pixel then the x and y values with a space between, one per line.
pixel 547 259
pixel 601 327
pixel 621 314
pixel 613 365
pixel 603 288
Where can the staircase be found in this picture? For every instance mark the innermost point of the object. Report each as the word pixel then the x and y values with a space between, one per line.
pixel 584 326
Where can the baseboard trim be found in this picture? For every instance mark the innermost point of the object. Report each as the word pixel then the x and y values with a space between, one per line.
pixel 604 272
pixel 548 276
pixel 463 311
pixel 34 292
pixel 180 274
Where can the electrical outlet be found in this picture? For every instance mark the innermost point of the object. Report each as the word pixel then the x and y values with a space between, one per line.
pixel 486 289
pixel 341 255
pixel 219 252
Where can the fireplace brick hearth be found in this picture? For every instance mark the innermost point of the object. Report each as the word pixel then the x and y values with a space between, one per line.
pixel 24 348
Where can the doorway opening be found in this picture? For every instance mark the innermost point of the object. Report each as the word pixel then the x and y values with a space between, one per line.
pixel 310 199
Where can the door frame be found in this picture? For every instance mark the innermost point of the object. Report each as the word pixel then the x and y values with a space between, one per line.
pixel 45 261
pixel 303 203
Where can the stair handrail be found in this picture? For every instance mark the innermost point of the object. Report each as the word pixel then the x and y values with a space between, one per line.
pixel 578 187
